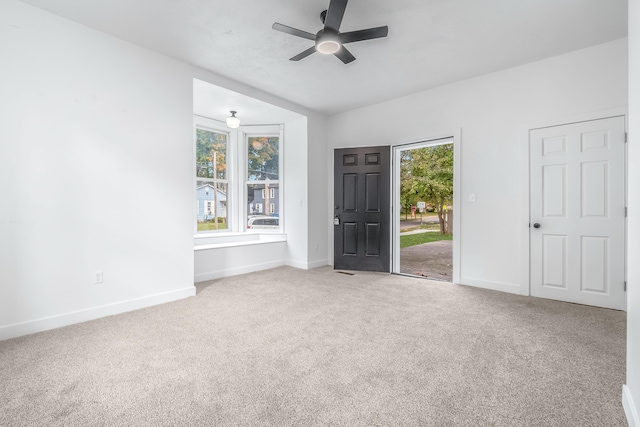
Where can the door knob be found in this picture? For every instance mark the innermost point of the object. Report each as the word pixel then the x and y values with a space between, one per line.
pixel 536 225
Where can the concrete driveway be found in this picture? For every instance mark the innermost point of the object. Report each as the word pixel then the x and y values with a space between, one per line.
pixel 432 260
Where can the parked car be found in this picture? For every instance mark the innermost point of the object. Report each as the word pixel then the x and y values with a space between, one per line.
pixel 263 222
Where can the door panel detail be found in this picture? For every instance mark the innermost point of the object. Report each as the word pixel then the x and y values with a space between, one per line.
pixel 372 184
pixel 554 261
pixel 350 238
pixel 372 159
pixel 594 141
pixel 555 191
pixel 373 239
pixel 594 189
pixel 554 145
pixel 349 160
pixel 594 259
pixel 350 191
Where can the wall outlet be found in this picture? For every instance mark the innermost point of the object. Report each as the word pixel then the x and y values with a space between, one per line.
pixel 97 277
pixel 472 197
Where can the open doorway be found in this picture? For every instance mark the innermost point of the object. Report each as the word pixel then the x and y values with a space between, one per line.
pixel 424 200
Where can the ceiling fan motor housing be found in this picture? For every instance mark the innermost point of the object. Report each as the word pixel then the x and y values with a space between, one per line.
pixel 328 41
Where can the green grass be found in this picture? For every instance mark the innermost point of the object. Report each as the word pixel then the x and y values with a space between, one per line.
pixel 208 226
pixel 426 226
pixel 418 239
pixel 424 215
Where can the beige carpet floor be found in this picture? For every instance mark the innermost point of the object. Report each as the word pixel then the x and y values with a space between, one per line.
pixel 292 347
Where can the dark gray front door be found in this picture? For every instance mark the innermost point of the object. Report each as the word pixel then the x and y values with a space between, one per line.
pixel 361 209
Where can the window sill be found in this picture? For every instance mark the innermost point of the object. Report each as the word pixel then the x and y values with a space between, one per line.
pixel 231 240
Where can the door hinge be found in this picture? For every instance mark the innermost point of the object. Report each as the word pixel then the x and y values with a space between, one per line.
pixel 625 286
pixel 626 137
pixel 625 211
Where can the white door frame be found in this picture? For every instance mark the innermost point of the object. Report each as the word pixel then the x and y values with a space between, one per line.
pixel 525 261
pixel 419 142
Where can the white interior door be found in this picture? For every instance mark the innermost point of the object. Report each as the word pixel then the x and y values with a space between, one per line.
pixel 577 212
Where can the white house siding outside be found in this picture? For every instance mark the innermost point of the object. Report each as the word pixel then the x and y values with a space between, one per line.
pixel 205 202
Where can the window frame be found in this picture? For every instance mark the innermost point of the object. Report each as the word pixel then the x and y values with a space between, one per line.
pixel 211 125
pixel 263 131
pixel 237 177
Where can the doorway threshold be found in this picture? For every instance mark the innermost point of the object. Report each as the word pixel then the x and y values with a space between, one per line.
pixel 422 276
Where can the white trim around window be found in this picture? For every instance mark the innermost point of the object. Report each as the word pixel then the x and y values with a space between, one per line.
pixel 237 206
pixel 231 156
pixel 264 131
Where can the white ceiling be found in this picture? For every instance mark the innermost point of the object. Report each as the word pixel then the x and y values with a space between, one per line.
pixel 430 42
pixel 216 103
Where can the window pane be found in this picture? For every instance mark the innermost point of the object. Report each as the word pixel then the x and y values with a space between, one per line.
pixel 211 154
pixel 212 205
pixel 260 202
pixel 263 158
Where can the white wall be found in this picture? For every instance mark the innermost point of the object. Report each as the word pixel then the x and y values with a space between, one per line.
pixel 631 396
pixel 493 112
pixel 229 261
pixel 318 193
pixel 296 193
pixel 95 172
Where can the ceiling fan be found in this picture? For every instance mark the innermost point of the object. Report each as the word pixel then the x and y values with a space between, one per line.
pixel 329 40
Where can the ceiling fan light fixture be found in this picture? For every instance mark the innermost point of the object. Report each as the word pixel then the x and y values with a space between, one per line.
pixel 329 40
pixel 233 122
pixel 328 43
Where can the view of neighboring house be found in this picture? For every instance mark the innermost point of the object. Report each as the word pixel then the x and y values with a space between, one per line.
pixel 264 201
pixel 206 201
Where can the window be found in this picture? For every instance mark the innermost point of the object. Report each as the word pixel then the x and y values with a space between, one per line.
pixel 211 179
pixel 263 173
pixel 238 175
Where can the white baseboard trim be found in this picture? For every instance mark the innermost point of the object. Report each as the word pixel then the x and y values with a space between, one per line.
pixel 227 272
pixel 307 265
pixel 66 319
pixel 319 263
pixel 630 409
pixel 297 264
pixel 495 286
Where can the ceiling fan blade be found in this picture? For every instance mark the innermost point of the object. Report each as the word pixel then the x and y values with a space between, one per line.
pixel 335 14
pixel 368 34
pixel 304 54
pixel 293 31
pixel 344 55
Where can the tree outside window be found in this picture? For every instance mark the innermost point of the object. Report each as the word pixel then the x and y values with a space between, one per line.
pixel 426 174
